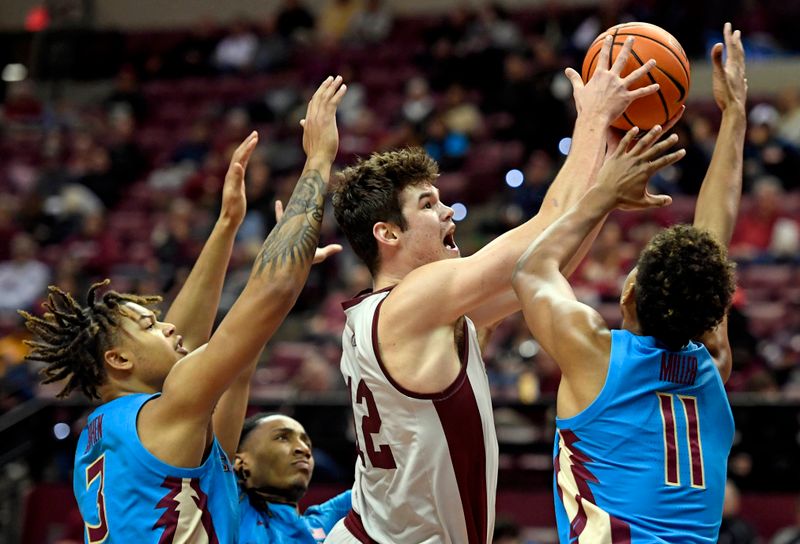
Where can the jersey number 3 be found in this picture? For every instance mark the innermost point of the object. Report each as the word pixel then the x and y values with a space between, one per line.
pixel 97 533
pixel 671 458
pixel 370 425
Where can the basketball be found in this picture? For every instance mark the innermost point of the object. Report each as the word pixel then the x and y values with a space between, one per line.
pixel 671 72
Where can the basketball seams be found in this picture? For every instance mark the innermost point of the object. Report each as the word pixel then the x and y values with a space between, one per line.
pixel 653 80
pixel 668 48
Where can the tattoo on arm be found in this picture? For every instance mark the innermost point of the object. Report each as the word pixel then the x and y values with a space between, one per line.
pixel 294 239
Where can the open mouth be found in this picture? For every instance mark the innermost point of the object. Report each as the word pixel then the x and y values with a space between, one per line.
pixel 450 241
pixel 179 346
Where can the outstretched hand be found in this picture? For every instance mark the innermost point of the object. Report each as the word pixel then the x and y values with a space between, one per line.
pixel 320 134
pixel 729 83
pixel 614 135
pixel 321 253
pixel 234 202
pixel 607 94
pixel 625 173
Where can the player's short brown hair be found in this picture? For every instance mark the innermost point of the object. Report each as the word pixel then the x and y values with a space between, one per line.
pixel 368 192
pixel 684 285
pixel 72 339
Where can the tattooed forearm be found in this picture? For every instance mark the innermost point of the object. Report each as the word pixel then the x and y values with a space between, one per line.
pixel 294 239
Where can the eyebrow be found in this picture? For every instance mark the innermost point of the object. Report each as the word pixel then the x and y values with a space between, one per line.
pixel 149 317
pixel 303 436
pixel 426 194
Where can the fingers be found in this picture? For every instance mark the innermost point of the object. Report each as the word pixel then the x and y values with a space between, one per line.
pixel 716 56
pixel 323 253
pixel 639 72
pixel 643 91
pixel 278 210
pixel 247 152
pixel 626 140
pixel 574 78
pixel 675 118
pixel 622 58
pixel 647 140
pixel 666 160
pixel 605 52
pixel 657 201
pixel 661 147
pixel 337 98
pixel 247 144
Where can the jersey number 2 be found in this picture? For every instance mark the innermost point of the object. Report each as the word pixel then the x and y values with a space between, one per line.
pixel 672 473
pixel 97 533
pixel 370 425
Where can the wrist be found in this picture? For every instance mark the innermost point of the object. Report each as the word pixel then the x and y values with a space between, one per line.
pixel 321 164
pixel 734 113
pixel 227 223
pixel 602 200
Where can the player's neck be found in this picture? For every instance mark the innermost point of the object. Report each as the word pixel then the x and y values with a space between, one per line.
pixel 387 278
pixel 273 498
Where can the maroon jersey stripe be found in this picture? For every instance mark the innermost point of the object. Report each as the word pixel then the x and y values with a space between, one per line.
pixel 463 429
pixel 352 523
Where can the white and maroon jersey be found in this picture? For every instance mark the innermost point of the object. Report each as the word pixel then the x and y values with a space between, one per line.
pixel 427 463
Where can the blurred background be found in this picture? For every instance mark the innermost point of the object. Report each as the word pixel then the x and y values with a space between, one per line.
pixel 118 119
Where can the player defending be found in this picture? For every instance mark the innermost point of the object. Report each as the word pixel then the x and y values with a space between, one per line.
pixel 427 451
pixel 644 425
pixel 274 465
pixel 148 467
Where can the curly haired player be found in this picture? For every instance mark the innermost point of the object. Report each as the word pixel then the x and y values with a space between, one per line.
pixel 151 464
pixel 644 425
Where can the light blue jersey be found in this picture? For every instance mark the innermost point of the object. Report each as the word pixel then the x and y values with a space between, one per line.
pixel 272 523
pixel 646 461
pixel 126 495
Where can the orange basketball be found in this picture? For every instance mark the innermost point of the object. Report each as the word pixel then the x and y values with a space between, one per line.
pixel 671 72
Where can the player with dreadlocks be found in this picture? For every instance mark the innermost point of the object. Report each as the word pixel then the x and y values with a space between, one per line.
pixel 149 465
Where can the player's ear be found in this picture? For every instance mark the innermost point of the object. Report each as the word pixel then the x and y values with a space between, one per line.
pixel 241 464
pixel 386 233
pixel 118 359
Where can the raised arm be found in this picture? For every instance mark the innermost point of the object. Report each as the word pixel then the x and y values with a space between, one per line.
pixel 480 285
pixel 196 383
pixel 194 309
pixel 573 333
pixel 232 407
pixel 718 202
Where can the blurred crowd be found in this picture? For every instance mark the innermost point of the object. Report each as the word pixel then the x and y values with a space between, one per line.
pixel 127 186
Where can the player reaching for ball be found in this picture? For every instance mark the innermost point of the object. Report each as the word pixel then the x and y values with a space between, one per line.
pixel 427 452
pixel 151 465
pixel 644 425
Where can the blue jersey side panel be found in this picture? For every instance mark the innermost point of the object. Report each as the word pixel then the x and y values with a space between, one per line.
pixel 647 460
pixel 281 524
pixel 125 494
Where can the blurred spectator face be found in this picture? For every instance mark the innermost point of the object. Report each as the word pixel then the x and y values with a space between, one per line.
pixel 767 195
pixel 731 505
pixel 23 247
pixel 516 67
pixel 538 170
pixel 258 177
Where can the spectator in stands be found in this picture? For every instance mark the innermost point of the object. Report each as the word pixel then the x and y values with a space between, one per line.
pixel 95 248
pixel 766 153
pixel 128 161
pixel 755 228
pixel 789 107
pixel 127 94
pixel 274 50
pixel 418 104
pixel 236 52
pixel 790 534
pixel 294 22
pixel 460 114
pixel 336 17
pixel 23 278
pixel 447 147
pixel 734 530
pixel 371 25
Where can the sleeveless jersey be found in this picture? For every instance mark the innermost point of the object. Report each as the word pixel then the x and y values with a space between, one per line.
pixel 647 460
pixel 125 494
pixel 426 470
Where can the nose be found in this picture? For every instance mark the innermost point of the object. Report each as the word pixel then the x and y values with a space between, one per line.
pixel 302 448
pixel 168 328
pixel 448 212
